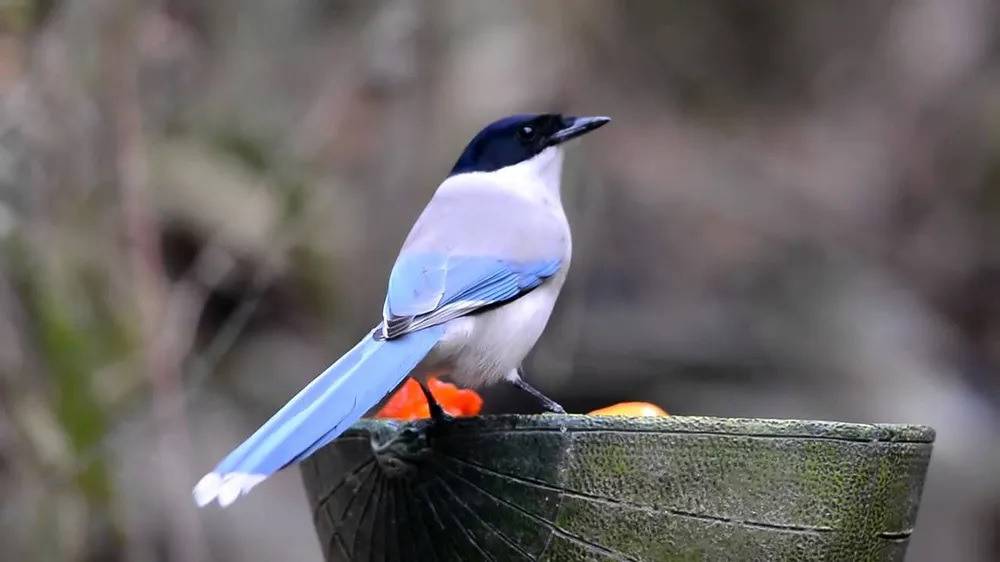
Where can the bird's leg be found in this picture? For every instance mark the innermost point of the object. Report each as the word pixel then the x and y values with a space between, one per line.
pixel 437 412
pixel 515 377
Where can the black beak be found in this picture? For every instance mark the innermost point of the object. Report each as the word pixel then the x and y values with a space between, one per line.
pixel 576 126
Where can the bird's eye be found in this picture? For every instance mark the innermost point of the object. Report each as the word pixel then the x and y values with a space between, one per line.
pixel 526 133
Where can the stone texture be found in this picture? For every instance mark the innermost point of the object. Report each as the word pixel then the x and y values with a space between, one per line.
pixel 573 487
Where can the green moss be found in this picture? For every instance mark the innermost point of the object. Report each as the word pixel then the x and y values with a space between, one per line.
pixel 658 489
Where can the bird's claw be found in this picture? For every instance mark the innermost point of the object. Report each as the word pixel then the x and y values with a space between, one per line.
pixel 437 412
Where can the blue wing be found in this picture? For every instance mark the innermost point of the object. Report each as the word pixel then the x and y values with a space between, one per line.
pixel 426 289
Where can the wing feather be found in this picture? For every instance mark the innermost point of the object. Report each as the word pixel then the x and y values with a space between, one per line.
pixel 429 289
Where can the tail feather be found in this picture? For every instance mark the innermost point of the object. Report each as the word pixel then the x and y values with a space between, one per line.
pixel 319 413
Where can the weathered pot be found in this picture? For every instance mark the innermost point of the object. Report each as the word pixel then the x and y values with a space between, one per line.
pixel 589 488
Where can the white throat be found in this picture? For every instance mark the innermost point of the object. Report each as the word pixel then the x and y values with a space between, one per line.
pixel 536 179
pixel 541 174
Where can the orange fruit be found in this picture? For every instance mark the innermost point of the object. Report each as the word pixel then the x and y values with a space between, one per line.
pixel 636 409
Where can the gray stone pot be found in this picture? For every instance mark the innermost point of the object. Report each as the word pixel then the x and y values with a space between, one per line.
pixel 595 488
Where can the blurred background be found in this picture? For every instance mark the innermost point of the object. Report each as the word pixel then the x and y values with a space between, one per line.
pixel 795 213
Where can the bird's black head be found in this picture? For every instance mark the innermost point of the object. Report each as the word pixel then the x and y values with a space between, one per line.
pixel 517 138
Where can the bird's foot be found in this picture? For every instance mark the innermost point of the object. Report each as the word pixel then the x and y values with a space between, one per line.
pixel 437 412
pixel 547 403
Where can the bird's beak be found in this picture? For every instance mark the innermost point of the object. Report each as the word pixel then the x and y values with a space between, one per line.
pixel 576 126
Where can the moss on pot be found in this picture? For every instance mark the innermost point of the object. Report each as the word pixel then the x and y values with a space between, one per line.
pixel 581 488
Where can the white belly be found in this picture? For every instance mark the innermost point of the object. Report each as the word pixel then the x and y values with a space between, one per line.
pixel 481 349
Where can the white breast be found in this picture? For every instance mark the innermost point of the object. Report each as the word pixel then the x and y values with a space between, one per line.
pixel 481 349
pixel 525 221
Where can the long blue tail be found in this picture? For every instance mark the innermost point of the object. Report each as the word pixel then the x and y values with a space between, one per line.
pixel 318 413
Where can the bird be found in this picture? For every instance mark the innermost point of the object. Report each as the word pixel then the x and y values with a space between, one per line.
pixel 469 295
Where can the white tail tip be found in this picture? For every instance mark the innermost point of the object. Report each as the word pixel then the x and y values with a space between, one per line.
pixel 224 488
